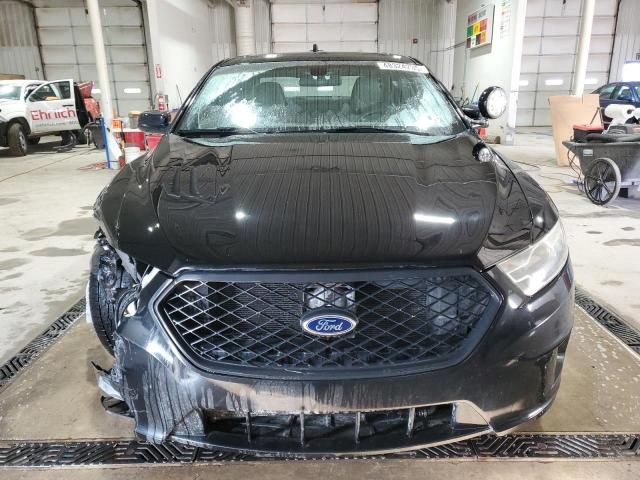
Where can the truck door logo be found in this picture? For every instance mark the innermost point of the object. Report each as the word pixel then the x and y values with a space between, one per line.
pixel 39 115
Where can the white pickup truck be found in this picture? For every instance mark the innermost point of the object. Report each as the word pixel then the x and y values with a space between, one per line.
pixel 30 109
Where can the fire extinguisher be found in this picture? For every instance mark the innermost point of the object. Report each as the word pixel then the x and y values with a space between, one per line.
pixel 163 102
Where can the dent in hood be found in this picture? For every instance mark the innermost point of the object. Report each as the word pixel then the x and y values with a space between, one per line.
pixel 315 202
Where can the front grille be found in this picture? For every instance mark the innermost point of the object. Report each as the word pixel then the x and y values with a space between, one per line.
pixel 423 318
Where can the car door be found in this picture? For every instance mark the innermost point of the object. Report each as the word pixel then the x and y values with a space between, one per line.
pixel 623 95
pixel 52 108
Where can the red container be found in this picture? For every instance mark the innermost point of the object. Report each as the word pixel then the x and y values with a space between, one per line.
pixel 580 132
pixel 134 138
pixel 152 141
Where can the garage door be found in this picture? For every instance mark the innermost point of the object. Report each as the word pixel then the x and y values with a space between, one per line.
pixel 19 53
pixel 335 26
pixel 548 54
pixel 66 46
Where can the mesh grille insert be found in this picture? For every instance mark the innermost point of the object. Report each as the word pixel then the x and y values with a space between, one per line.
pixel 257 324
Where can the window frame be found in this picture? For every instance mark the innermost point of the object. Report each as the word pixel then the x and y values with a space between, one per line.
pixel 616 93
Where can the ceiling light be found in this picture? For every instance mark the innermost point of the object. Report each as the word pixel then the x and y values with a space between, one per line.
pixel 554 82
pixel 132 90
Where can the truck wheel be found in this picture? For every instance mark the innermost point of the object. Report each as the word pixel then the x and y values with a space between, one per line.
pixel 105 311
pixel 81 137
pixel 33 140
pixel 17 140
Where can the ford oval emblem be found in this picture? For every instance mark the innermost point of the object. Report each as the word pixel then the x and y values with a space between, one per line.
pixel 328 324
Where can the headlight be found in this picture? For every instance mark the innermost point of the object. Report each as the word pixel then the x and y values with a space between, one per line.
pixel 533 268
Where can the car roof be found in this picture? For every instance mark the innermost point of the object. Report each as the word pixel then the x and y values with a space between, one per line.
pixel 321 56
pixel 622 83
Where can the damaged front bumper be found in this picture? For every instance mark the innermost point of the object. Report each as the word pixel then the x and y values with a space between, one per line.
pixel 511 376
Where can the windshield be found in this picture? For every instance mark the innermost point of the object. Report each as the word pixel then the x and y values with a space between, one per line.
pixel 10 92
pixel 321 96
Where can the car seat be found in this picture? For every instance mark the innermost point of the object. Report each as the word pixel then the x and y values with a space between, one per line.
pixel 269 94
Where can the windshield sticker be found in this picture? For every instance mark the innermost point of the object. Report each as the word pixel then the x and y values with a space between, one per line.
pixel 402 67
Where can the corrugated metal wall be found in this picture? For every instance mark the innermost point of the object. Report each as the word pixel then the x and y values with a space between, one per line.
pixel 222 31
pixel 332 25
pixel 548 60
pixel 262 25
pixel 222 21
pixel 423 29
pixel 19 53
pixel 627 43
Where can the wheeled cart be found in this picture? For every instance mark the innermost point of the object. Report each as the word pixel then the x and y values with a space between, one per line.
pixel 609 168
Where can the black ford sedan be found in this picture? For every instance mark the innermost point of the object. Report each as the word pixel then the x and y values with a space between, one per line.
pixel 321 257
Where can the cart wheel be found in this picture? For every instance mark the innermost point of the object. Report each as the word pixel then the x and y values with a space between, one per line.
pixel 602 181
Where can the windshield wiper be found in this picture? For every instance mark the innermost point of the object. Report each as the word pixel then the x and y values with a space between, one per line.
pixel 373 130
pixel 218 132
pixel 230 131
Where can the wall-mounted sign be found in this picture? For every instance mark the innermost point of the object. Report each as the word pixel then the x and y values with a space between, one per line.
pixel 480 27
pixel 505 18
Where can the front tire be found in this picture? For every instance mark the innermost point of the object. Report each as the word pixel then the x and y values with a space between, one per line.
pixel 17 140
pixel 104 311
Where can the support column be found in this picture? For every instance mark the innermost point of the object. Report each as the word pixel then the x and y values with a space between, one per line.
pixel 582 58
pixel 518 16
pixel 95 23
pixel 245 36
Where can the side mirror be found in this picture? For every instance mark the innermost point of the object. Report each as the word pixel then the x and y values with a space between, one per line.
pixel 493 102
pixel 474 116
pixel 154 121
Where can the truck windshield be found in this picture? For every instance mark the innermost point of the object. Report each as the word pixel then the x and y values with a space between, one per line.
pixel 344 96
pixel 10 92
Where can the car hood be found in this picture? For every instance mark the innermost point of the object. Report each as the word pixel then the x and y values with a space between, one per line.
pixel 315 201
pixel 10 106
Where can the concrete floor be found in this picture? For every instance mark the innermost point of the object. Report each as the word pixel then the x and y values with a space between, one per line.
pixel 353 469
pixel 604 241
pixel 600 391
pixel 47 228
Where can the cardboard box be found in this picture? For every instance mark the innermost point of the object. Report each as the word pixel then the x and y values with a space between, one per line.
pixel 567 111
